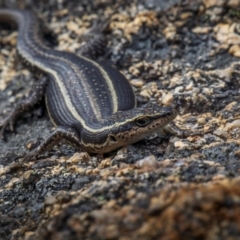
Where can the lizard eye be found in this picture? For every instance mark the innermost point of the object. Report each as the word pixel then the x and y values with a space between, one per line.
pixel 141 122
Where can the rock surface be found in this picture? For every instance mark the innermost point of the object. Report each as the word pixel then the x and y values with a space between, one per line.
pixel 163 187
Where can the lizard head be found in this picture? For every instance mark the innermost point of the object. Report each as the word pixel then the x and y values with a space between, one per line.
pixel 127 127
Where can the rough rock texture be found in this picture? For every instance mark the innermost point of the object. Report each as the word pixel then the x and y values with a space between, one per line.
pixel 163 187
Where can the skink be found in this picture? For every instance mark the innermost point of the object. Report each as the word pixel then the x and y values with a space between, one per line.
pixel 91 103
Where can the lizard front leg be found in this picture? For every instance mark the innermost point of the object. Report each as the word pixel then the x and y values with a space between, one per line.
pixel 176 131
pixel 61 133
